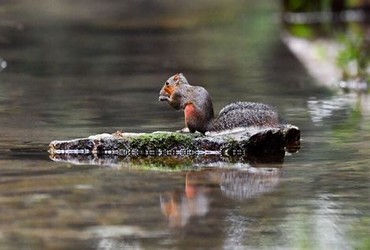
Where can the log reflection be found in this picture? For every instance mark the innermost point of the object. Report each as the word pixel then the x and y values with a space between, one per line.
pixel 195 200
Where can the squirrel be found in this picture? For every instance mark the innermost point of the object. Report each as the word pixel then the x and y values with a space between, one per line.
pixel 198 108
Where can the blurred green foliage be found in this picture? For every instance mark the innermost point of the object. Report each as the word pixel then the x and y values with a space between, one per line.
pixel 321 5
pixel 326 19
pixel 353 59
pixel 306 6
pixel 302 30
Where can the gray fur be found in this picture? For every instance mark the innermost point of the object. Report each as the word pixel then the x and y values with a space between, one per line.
pixel 177 79
pixel 245 114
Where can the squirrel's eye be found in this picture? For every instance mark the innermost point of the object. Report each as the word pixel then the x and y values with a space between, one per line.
pixel 167 83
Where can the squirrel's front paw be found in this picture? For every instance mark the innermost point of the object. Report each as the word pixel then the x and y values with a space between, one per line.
pixel 163 98
pixel 184 130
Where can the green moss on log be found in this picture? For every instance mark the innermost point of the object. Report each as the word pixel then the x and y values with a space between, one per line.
pixel 163 141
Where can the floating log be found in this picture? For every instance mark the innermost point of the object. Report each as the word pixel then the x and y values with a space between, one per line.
pixel 251 142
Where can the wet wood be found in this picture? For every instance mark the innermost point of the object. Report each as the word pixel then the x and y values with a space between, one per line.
pixel 249 141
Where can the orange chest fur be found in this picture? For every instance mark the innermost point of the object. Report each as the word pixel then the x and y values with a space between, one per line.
pixel 190 111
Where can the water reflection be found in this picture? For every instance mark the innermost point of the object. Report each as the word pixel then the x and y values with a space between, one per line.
pixel 192 212
pixel 327 218
pixel 175 161
pixel 338 106
pixel 3 64
pixel 195 200
pixel 321 109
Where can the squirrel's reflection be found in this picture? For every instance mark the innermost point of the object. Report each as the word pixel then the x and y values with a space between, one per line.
pixel 200 186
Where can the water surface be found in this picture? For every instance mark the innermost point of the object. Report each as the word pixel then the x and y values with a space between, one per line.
pixel 71 76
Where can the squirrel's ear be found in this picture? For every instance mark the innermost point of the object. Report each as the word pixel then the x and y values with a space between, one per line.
pixel 183 79
pixel 176 77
